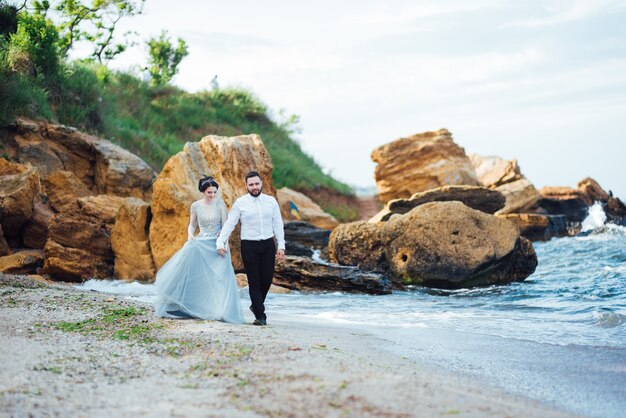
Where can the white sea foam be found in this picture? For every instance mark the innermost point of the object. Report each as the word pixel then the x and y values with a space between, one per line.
pixel 132 290
pixel 595 218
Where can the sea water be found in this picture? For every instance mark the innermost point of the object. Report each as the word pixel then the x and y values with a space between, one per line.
pixel 559 336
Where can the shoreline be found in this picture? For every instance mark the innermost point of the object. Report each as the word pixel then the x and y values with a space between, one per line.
pixel 72 352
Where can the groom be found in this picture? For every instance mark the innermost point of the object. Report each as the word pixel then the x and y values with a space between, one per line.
pixel 260 223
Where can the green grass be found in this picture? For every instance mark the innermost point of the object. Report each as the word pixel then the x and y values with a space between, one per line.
pixel 156 122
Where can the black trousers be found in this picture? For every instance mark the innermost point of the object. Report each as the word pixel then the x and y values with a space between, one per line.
pixel 258 261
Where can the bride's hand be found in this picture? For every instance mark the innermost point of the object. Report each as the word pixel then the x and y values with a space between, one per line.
pixel 222 251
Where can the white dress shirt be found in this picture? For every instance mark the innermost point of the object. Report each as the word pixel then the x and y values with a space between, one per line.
pixel 260 219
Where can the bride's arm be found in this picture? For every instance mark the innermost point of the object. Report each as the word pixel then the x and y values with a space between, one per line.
pixel 193 222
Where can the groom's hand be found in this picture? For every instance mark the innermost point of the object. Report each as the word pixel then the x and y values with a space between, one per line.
pixel 222 251
pixel 280 254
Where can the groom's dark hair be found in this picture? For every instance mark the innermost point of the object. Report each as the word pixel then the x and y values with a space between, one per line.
pixel 252 174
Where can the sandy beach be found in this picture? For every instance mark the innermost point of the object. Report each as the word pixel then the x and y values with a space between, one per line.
pixel 68 352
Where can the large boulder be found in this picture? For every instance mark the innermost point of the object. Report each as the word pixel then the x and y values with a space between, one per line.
pixel 35 232
pixel 449 245
pixel 506 177
pixel 437 244
pixel 537 226
pixel 303 273
pixel 103 167
pixel 228 159
pixel 358 244
pixel 63 188
pixel 21 262
pixel 308 210
pixel 19 184
pixel 130 242
pixel 78 247
pixel 419 163
pixel 476 197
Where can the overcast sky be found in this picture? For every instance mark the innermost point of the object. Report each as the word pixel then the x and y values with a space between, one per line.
pixel 540 81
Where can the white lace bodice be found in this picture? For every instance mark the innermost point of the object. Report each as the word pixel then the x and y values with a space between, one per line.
pixel 209 218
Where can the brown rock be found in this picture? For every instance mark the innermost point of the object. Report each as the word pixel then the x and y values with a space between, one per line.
pixel 303 273
pixel 130 243
pixel 358 244
pixel 566 201
pixel 35 232
pixel 590 188
pixel 419 163
pixel 479 198
pixel 309 211
pixel 77 230
pixel 228 159
pixel 75 264
pixel 449 245
pixel 103 207
pixel 538 227
pixel 21 262
pixel 495 171
pixel 18 186
pixel 520 195
pixel 505 176
pixel 78 247
pixel 103 167
pixel 63 189
pixel 242 281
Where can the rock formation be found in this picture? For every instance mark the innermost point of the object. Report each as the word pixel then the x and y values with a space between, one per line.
pixel 19 184
pixel 21 262
pixel 570 202
pixel 479 198
pixel 438 244
pixel 130 242
pixel 537 226
pixel 309 211
pixel 505 176
pixel 228 159
pixel 358 244
pixel 103 167
pixel 78 247
pixel 302 273
pixel 419 163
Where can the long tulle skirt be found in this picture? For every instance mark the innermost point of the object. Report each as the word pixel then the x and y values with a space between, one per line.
pixel 197 282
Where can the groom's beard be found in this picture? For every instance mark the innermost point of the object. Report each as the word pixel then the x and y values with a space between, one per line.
pixel 255 193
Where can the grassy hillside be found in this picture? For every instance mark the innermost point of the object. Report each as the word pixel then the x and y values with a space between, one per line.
pixel 155 122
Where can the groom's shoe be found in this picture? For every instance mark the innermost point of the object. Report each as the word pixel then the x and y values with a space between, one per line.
pixel 260 321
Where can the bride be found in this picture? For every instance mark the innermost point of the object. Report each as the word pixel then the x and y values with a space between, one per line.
pixel 196 282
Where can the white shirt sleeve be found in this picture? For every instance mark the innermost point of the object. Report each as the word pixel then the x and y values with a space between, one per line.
pixel 277 225
pixel 229 226
pixel 193 222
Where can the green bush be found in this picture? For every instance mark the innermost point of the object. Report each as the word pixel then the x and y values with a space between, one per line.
pixel 33 48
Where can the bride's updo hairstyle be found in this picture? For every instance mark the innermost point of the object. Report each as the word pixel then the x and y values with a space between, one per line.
pixel 206 182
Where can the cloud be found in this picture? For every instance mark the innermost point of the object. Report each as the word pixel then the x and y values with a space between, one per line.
pixel 561 11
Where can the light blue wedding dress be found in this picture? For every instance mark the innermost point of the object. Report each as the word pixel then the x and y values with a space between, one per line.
pixel 197 282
